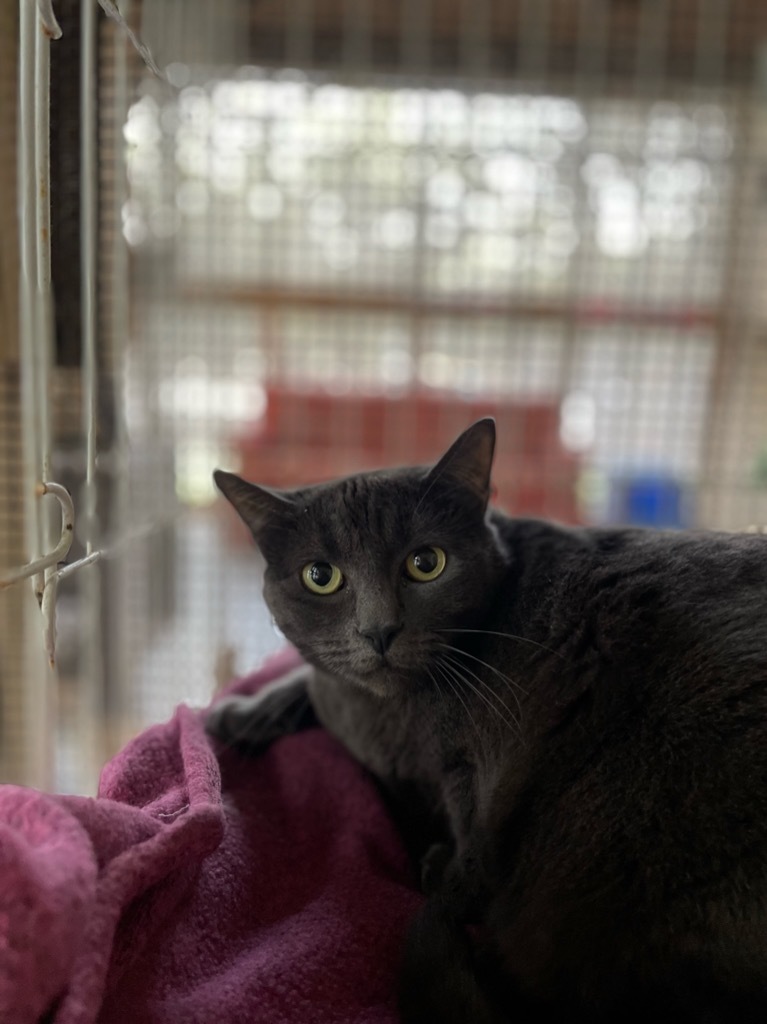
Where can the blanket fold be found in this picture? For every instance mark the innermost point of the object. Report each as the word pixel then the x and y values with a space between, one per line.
pixel 196 889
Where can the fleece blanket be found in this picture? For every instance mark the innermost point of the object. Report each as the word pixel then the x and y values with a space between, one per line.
pixel 197 889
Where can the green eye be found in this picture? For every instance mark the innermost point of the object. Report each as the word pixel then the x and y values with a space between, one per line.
pixel 425 564
pixel 322 578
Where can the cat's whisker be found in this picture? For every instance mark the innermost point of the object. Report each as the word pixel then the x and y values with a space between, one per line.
pixel 459 671
pixel 507 636
pixel 456 690
pixel 434 682
pixel 459 676
pixel 517 719
pixel 452 672
pixel 511 683
pixel 452 658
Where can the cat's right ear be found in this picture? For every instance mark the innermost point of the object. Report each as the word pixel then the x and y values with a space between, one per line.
pixel 260 508
pixel 469 461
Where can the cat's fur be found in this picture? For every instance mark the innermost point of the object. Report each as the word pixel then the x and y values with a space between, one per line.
pixel 572 727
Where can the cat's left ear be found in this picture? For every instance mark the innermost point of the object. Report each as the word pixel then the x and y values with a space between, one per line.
pixel 469 460
pixel 260 508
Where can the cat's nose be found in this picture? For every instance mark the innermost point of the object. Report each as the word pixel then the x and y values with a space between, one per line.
pixel 380 637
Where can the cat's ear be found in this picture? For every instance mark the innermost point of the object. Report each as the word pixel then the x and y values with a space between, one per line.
pixel 469 460
pixel 260 508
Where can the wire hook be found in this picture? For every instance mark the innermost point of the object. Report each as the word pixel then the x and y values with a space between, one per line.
pixel 45 570
pixel 51 26
pixel 61 550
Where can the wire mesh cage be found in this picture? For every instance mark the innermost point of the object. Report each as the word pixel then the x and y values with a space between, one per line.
pixel 327 236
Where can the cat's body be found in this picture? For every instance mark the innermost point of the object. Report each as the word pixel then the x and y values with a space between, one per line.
pixel 572 728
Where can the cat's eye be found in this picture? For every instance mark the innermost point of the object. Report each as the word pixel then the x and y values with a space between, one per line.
pixel 322 578
pixel 425 564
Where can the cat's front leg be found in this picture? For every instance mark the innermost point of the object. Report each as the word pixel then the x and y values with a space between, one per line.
pixel 254 721
pixel 442 978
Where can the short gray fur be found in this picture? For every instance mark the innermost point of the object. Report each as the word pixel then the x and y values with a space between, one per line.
pixel 570 725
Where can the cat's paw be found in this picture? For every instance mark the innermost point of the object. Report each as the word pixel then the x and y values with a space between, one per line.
pixel 236 721
pixel 253 721
pixel 434 864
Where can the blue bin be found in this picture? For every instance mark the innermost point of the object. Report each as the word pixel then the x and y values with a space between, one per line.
pixel 651 500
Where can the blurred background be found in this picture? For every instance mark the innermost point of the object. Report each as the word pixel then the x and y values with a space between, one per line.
pixel 329 235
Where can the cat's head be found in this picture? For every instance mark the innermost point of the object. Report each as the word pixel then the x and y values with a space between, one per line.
pixel 365 575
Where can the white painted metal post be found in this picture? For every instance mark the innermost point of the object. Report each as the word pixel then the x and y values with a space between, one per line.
pixel 90 686
pixel 35 304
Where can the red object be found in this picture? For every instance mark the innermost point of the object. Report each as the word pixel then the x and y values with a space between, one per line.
pixel 308 437
pixel 269 890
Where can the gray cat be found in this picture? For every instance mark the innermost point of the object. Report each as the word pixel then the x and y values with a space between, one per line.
pixel 570 726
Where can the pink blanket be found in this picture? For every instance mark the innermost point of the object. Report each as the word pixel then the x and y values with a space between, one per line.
pixel 270 890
